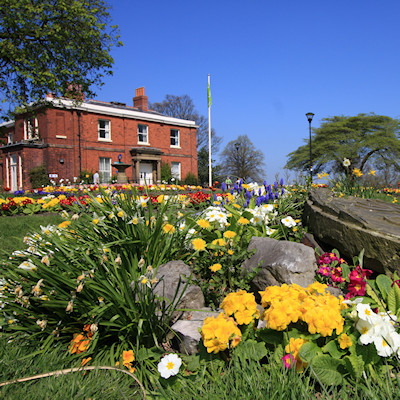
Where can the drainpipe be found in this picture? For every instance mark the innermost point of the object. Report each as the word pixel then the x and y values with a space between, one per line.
pixel 78 113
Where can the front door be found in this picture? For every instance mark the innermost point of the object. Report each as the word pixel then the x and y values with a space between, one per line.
pixel 146 174
pixel 14 173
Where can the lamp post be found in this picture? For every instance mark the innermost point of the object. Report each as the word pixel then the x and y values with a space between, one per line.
pixel 310 117
pixel 237 146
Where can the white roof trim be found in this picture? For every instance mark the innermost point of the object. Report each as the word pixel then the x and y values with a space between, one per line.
pixel 104 110
pixel 7 124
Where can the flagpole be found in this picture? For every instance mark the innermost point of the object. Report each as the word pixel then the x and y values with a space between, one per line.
pixel 209 133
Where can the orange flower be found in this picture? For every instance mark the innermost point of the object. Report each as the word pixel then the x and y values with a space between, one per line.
pixel 85 361
pixel 128 357
pixel 79 343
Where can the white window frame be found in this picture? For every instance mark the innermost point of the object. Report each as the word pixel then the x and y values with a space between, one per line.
pixel 31 128
pixel 175 140
pixel 10 137
pixel 177 171
pixel 105 171
pixel 106 130
pixel 145 135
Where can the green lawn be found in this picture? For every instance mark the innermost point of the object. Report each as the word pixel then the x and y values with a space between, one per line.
pixel 13 229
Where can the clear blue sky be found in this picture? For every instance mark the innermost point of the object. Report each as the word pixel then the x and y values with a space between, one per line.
pixel 270 62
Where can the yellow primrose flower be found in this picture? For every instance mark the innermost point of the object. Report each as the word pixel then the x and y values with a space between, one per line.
pixel 215 267
pixel 199 244
pixel 219 242
pixel 203 223
pixel 243 221
pixel 372 172
pixel 229 234
pixel 345 341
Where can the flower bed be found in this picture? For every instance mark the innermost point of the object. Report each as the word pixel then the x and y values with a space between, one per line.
pixel 88 284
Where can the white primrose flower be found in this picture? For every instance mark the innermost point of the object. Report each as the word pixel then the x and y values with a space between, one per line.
pixel 169 365
pixel 288 221
pixel 387 344
pixel 367 330
pixel 366 314
pixel 269 231
pixel 267 208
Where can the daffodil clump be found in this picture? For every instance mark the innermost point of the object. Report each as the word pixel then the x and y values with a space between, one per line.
pixel 288 304
pixel 220 333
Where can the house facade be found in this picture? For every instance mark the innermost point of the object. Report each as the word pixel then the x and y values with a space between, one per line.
pixel 70 137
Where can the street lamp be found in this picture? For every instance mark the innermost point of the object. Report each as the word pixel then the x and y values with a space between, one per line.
pixel 237 145
pixel 310 117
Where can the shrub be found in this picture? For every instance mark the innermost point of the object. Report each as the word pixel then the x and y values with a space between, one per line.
pixel 166 174
pixel 190 179
pixel 38 176
pixel 86 176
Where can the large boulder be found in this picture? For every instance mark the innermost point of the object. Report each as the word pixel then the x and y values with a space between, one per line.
pixel 352 224
pixel 280 262
pixel 173 279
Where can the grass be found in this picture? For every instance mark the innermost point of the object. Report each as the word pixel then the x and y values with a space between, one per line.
pixel 15 362
pixel 241 380
pixel 13 229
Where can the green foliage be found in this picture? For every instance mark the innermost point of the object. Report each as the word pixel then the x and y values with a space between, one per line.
pixel 202 166
pixel 190 179
pixel 38 176
pixel 38 56
pixel 367 140
pixel 166 174
pixel 86 177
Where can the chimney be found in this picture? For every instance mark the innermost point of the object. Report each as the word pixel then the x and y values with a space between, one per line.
pixel 140 100
pixel 74 91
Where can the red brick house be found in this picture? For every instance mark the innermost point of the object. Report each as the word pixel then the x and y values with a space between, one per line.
pixel 70 137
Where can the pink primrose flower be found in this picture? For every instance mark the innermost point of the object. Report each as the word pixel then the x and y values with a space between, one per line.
pixel 288 361
pixel 324 270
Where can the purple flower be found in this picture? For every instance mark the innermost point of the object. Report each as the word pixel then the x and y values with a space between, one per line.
pixel 223 186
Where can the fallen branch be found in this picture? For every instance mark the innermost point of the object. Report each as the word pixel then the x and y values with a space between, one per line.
pixel 69 370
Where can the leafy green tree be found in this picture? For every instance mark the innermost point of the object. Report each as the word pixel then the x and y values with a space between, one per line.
pixel 202 163
pixel 48 45
pixel 183 107
pixel 367 140
pixel 240 159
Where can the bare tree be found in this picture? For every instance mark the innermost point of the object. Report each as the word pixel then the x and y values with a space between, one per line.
pixel 240 159
pixel 183 107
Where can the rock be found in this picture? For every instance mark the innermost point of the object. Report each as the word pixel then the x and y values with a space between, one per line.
pixel 168 276
pixel 280 262
pixel 352 224
pixel 188 330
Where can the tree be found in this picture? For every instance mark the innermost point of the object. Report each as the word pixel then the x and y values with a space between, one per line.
pixel 240 159
pixel 52 45
pixel 183 107
pixel 202 163
pixel 367 140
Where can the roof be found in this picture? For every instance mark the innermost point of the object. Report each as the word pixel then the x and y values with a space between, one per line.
pixel 120 110
pixel 115 109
